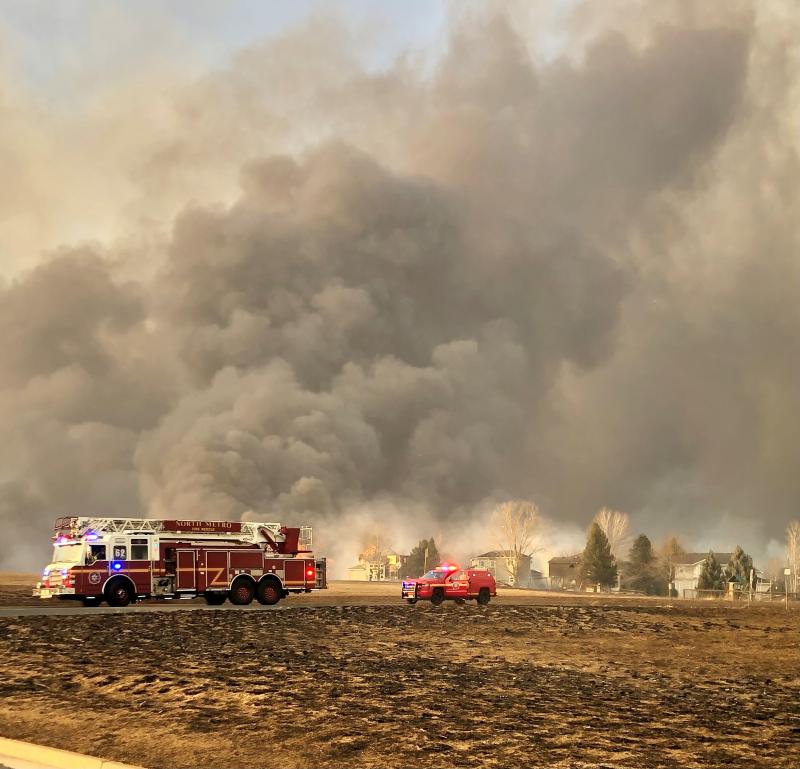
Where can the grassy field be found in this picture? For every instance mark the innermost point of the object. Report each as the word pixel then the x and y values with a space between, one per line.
pixel 531 679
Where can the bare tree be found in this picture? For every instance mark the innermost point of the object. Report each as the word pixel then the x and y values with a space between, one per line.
pixel 793 552
pixel 616 527
pixel 516 528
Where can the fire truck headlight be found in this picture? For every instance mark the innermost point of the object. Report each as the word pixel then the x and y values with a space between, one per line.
pixel 116 565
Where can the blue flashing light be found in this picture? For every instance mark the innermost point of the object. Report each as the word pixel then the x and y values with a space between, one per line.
pixel 92 536
pixel 116 565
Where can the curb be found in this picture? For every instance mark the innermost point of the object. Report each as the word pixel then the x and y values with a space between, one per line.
pixel 31 755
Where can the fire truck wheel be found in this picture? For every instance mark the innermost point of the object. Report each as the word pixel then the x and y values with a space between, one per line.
pixel 215 599
pixel 119 593
pixel 437 597
pixel 460 601
pixel 269 592
pixel 412 601
pixel 242 592
pixel 483 596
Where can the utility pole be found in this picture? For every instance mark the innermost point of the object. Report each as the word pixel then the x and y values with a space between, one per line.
pixel 786 573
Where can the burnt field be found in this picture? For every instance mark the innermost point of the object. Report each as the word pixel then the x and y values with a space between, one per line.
pixel 577 685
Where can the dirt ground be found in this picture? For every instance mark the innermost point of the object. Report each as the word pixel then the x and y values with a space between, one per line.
pixel 522 682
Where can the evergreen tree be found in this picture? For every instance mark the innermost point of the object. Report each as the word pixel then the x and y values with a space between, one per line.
pixel 641 555
pixel 739 566
pixel 641 571
pixel 597 563
pixel 711 577
pixel 422 558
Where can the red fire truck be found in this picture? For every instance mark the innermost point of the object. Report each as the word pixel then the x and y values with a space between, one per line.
pixel 121 560
pixel 451 582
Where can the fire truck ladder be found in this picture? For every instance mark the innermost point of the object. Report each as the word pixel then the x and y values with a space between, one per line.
pixel 80 525
pixel 251 531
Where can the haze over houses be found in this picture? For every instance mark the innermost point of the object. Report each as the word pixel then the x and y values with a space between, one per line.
pixel 376 565
pixel 613 558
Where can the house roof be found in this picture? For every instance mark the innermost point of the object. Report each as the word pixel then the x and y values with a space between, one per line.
pixel 496 554
pixel 692 559
pixel 566 558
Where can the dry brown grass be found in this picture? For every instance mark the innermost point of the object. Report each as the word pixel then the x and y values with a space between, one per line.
pixel 630 683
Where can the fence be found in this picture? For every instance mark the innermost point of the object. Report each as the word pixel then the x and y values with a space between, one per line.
pixel 738 594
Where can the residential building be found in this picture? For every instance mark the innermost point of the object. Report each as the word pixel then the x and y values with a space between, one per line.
pixel 538 581
pixel 500 564
pixel 564 571
pixel 688 567
pixel 376 566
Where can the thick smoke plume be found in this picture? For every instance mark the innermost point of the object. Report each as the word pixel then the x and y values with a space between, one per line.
pixel 337 294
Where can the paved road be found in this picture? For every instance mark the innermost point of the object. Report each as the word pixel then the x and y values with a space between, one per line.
pixel 60 611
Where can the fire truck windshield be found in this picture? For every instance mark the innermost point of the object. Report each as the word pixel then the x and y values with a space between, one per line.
pixel 71 553
pixel 436 574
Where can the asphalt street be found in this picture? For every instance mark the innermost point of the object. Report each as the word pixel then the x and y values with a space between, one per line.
pixel 60 611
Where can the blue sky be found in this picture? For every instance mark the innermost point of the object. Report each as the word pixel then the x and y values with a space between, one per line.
pixel 85 44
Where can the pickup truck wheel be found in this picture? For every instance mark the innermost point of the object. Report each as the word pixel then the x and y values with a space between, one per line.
pixel 215 599
pixel 437 598
pixel 483 596
pixel 412 601
pixel 460 601
pixel 242 592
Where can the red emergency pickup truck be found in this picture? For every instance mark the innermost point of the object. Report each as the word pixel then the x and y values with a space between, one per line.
pixel 451 582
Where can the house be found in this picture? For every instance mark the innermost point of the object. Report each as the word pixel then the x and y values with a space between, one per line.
pixel 500 564
pixel 564 571
pixel 688 567
pixel 358 573
pixel 538 580
pixel 375 566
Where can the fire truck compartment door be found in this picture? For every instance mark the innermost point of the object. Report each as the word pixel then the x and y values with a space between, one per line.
pixel 186 570
pixel 295 572
pixel 217 570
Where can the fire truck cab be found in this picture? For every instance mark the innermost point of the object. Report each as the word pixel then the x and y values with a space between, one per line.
pixel 451 582
pixel 121 560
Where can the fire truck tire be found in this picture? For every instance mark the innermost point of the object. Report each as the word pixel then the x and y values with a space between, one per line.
pixel 215 599
pixel 119 592
pixel 437 597
pixel 483 596
pixel 269 591
pixel 242 591
pixel 412 601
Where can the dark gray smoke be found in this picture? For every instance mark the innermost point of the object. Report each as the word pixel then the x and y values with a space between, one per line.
pixel 571 280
